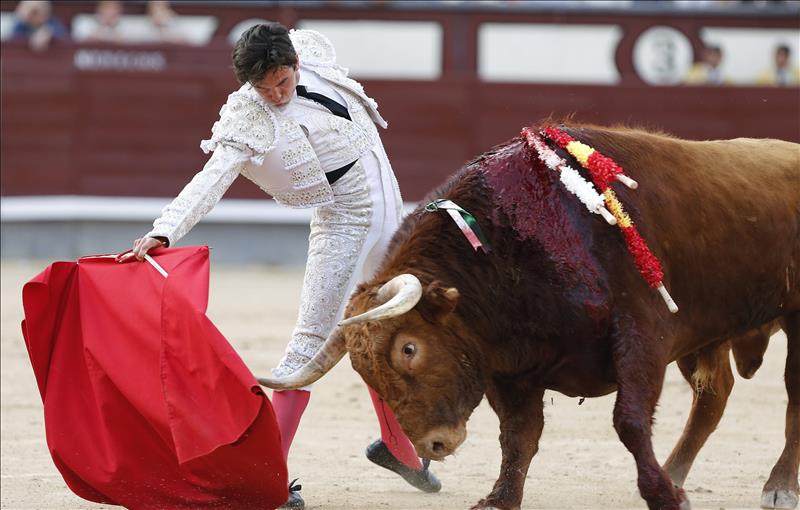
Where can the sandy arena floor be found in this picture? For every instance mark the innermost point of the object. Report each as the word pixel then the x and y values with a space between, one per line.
pixel 581 463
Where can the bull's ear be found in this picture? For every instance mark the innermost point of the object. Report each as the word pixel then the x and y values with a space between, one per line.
pixel 438 302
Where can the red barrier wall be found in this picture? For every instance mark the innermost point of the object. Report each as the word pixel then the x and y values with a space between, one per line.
pixel 72 130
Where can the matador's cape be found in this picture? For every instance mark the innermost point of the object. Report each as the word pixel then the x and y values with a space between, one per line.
pixel 146 405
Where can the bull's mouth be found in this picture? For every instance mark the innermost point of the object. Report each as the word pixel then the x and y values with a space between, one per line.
pixel 440 442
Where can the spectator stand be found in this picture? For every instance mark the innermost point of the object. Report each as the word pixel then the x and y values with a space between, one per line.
pixel 113 126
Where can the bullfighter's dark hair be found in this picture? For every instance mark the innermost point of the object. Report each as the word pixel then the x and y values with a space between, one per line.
pixel 262 49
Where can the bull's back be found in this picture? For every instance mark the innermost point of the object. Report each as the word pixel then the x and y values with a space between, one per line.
pixel 724 219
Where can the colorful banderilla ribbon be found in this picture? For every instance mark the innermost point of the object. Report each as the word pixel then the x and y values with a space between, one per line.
pixel 603 171
pixel 570 178
pixel 465 221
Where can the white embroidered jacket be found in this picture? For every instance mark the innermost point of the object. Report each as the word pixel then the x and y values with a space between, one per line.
pixel 271 149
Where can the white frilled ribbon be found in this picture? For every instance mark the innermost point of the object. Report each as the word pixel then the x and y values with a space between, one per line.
pixel 569 177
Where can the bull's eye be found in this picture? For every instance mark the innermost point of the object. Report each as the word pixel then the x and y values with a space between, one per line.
pixel 409 349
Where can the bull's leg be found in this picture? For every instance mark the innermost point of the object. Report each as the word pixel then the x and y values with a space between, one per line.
pixel 520 410
pixel 781 489
pixel 640 363
pixel 711 379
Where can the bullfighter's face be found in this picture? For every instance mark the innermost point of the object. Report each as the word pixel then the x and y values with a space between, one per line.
pixel 277 87
pixel 420 365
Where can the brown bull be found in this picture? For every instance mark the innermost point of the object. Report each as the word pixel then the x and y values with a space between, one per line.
pixel 558 303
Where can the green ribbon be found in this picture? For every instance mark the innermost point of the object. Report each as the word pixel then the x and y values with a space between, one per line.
pixel 466 222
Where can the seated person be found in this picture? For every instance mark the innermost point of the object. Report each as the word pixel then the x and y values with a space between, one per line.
pixel 163 21
pixel 107 16
pixel 707 71
pixel 783 74
pixel 35 23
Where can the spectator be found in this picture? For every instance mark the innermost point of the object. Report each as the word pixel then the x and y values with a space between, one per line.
pixel 163 20
pixel 35 23
pixel 784 74
pixel 107 15
pixel 707 71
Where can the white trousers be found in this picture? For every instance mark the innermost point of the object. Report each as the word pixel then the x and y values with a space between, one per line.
pixel 347 242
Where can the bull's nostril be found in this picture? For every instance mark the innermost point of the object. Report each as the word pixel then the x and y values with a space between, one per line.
pixel 438 446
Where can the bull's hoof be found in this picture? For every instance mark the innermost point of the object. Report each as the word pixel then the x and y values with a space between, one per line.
pixel 684 499
pixel 779 498
pixel 492 505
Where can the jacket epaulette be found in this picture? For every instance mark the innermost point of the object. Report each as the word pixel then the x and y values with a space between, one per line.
pixel 313 48
pixel 245 122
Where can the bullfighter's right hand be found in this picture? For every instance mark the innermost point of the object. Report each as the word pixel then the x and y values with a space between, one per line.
pixel 140 248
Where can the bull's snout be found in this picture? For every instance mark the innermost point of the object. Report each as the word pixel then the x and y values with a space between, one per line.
pixel 440 442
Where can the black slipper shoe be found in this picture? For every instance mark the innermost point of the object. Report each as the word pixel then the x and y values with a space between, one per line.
pixel 422 479
pixel 295 501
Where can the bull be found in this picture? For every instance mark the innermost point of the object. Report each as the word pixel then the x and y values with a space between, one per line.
pixel 558 304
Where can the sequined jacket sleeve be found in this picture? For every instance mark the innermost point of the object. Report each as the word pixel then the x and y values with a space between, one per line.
pixel 201 194
pixel 244 133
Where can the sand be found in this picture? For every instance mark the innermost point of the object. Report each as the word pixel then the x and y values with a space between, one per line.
pixel 581 463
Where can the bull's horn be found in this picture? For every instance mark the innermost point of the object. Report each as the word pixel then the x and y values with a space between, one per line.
pixel 325 359
pixel 399 295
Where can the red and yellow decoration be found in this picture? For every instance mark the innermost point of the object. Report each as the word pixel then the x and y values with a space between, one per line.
pixel 604 171
pixel 569 177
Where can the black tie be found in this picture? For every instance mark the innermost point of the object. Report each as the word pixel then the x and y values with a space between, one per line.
pixel 337 109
